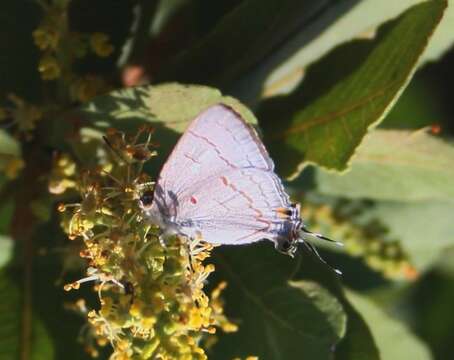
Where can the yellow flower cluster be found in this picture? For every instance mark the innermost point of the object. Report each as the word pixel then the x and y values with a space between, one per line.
pixel 86 88
pixel 365 241
pixel 62 176
pixel 48 38
pixel 61 47
pixel 100 44
pixel 150 286
pixel 21 114
pixel 49 67
pixel 12 167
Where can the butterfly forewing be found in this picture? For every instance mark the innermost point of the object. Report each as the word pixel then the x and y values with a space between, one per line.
pixel 216 141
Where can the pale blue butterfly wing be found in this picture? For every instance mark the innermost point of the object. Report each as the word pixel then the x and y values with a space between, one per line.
pixel 216 140
pixel 219 182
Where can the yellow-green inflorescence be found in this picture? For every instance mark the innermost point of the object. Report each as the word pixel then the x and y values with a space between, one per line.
pixel 61 47
pixel 150 287
pixel 366 241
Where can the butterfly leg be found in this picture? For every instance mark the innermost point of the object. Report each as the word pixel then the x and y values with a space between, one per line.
pixel 161 240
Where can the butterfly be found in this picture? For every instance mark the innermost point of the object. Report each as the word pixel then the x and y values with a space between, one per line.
pixel 219 183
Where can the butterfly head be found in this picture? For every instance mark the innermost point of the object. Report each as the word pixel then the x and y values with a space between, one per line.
pixel 287 242
pixel 154 211
pixel 287 246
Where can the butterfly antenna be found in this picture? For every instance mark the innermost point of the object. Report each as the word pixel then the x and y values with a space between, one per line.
pixel 319 236
pixel 316 253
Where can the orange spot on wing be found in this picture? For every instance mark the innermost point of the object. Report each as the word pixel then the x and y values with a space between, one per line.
pixel 283 213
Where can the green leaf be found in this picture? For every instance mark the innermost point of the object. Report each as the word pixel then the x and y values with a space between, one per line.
pixel 424 228
pixel 418 106
pixel 343 21
pixel 51 270
pixel 175 104
pixel 9 149
pixel 396 165
pixel 141 31
pixel 164 11
pixel 443 37
pixel 279 317
pixel 224 56
pixel 283 70
pixel 445 263
pixel 42 344
pixel 6 242
pixel 394 340
pixel 11 340
pixel 167 107
pixel 8 144
pixel 358 342
pixel 256 272
pixel 428 305
pixel 325 119
pixel 6 249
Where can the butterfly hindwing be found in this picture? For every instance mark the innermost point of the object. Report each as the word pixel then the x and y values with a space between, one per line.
pixel 237 207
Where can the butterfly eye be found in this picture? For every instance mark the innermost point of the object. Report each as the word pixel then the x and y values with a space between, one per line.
pixel 284 246
pixel 129 288
pixel 146 198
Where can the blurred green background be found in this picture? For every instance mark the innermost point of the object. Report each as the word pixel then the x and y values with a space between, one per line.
pixel 290 62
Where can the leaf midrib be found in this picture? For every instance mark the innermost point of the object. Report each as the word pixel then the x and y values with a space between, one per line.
pixel 257 300
pixel 334 115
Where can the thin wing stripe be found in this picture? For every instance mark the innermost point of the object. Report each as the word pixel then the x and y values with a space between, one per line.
pixel 226 161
